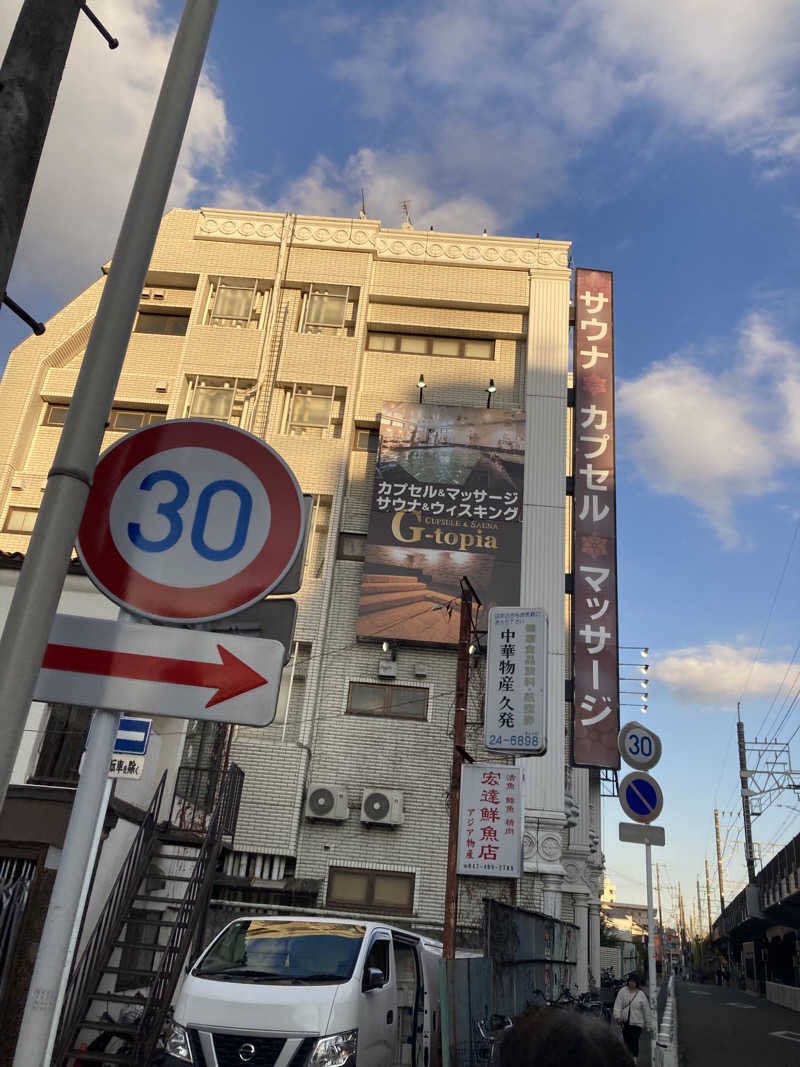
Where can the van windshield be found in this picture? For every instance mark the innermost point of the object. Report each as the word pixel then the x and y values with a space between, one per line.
pixel 273 950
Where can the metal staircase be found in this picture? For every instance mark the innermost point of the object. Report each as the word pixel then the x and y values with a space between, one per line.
pixel 121 987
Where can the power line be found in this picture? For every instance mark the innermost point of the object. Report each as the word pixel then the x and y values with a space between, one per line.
pixel 772 608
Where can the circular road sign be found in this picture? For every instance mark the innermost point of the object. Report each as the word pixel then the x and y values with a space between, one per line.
pixel 641 797
pixel 638 746
pixel 189 521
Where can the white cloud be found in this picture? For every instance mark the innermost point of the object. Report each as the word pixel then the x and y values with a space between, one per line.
pixel 328 189
pixel 720 674
pixel 697 438
pixel 715 437
pixel 448 75
pixel 95 139
pixel 729 66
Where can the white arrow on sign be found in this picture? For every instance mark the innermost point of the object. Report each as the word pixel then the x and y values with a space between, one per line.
pixel 158 670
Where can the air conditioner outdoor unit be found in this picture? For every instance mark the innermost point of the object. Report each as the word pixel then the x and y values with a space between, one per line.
pixel 382 806
pixel 326 802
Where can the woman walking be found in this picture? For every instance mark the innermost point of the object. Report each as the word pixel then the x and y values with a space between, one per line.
pixel 632 1010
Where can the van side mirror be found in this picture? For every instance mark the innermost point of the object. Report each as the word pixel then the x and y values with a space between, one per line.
pixel 374 978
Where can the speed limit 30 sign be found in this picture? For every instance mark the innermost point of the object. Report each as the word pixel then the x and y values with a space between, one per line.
pixel 639 746
pixel 190 521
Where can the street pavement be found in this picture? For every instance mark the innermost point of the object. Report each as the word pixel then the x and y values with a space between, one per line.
pixel 725 1027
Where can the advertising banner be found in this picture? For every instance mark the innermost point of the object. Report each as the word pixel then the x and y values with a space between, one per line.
pixel 490 821
pixel 595 709
pixel 515 716
pixel 447 503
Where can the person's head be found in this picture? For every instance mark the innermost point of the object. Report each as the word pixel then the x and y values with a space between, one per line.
pixel 633 981
pixel 547 1037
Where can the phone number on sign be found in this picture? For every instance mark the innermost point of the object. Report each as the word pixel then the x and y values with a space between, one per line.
pixel 520 740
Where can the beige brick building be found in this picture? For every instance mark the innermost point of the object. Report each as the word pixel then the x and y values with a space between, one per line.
pixel 297 328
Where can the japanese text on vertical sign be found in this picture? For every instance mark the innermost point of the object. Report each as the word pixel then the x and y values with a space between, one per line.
pixel 516 673
pixel 595 719
pixel 490 824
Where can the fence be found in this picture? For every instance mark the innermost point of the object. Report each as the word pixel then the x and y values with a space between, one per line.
pixel 16 875
pixel 527 955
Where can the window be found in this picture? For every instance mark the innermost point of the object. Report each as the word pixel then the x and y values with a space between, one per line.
pixel 124 419
pixel 318 530
pixel 62 745
pixel 221 399
pixel 20 520
pixel 351 546
pixel 387 701
pixel 378 957
pixel 168 324
pixel 236 302
pixel 55 414
pixel 366 439
pixel 385 891
pixel 328 308
pixel 313 410
pixel 120 419
pixel 462 347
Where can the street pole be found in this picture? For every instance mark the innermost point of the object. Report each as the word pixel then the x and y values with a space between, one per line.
pixel 459 740
pixel 38 589
pixel 651 942
pixel 664 972
pixel 57 945
pixel 719 864
pixel 708 899
pixel 29 80
pixel 748 825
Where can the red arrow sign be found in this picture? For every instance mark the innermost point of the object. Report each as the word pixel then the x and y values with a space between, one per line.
pixel 230 678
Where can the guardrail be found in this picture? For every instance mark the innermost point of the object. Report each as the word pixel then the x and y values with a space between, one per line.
pixel 665 1047
pixel 787 996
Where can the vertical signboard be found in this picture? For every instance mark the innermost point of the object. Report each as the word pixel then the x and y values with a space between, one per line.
pixel 516 681
pixel 595 716
pixel 447 503
pixel 490 821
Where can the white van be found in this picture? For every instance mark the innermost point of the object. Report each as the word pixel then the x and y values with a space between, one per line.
pixel 310 992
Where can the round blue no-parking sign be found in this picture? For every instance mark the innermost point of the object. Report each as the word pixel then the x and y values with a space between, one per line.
pixel 641 797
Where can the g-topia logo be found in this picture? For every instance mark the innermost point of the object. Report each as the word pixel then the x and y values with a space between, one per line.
pixel 409 533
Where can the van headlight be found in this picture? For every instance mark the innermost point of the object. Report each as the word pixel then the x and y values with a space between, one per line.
pixel 176 1042
pixel 336 1051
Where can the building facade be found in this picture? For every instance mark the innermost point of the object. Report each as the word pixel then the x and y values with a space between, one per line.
pixel 298 329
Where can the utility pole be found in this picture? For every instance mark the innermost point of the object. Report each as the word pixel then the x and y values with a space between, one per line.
pixel 29 80
pixel 719 864
pixel 37 592
pixel 682 917
pixel 468 597
pixel 708 898
pixel 748 826
pixel 660 919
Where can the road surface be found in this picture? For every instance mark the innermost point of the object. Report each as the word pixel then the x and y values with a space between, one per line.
pixel 725 1027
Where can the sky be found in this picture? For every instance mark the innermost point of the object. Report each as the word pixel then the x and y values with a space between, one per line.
pixel 664 142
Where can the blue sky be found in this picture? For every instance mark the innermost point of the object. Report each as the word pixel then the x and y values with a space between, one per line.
pixel 664 143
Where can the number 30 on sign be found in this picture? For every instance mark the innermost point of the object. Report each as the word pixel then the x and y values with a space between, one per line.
pixel 639 746
pixel 189 521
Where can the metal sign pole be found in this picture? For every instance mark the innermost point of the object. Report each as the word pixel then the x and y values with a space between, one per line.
pixel 651 942
pixel 48 981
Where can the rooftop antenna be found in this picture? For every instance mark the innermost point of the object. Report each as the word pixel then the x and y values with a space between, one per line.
pixel 363 212
pixel 407 224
